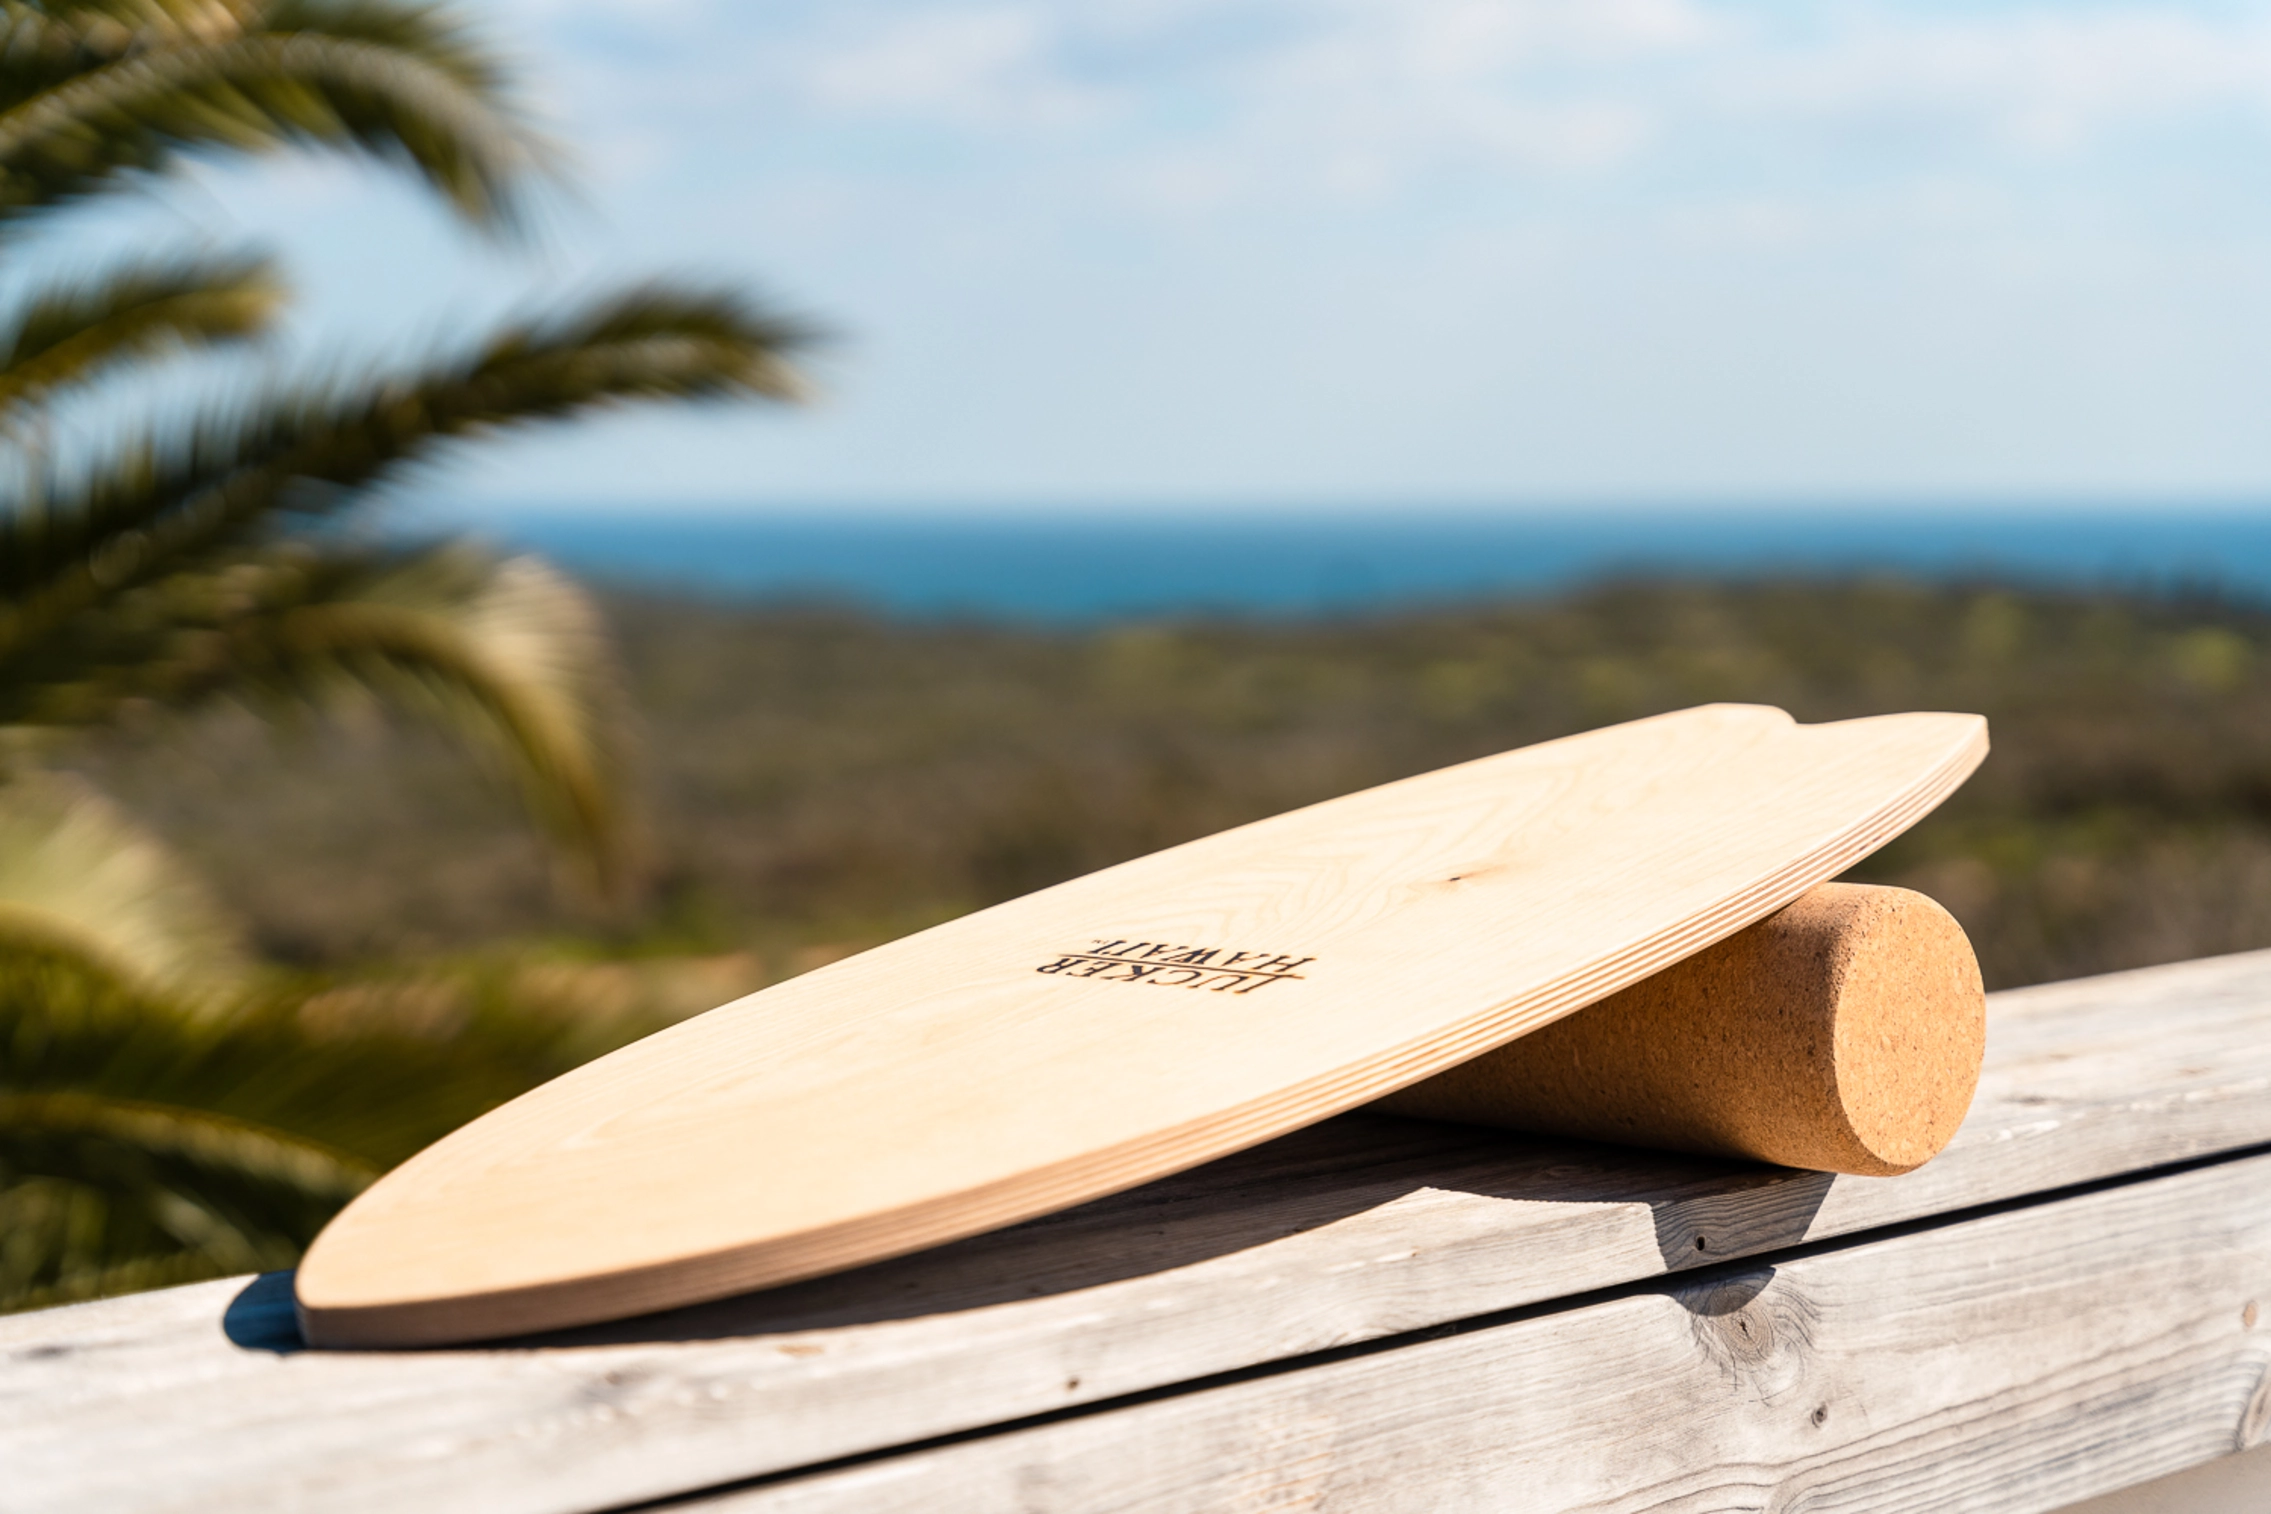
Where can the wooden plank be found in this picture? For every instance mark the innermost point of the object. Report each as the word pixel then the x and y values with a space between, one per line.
pixel 2007 1365
pixel 1359 1229
pixel 1119 1027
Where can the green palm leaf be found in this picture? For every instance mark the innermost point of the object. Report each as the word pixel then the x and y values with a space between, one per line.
pixel 143 1143
pixel 161 507
pixel 98 1193
pixel 511 655
pixel 121 1164
pixel 75 332
pixel 79 880
pixel 163 1116
pixel 150 582
pixel 92 94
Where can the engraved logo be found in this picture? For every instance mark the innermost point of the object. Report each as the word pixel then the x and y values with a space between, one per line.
pixel 1165 965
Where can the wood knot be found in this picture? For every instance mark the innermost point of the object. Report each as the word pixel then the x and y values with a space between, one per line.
pixel 1470 873
pixel 2256 1418
pixel 1760 1337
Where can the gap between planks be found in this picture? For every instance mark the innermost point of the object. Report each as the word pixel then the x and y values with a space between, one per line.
pixel 2009 1364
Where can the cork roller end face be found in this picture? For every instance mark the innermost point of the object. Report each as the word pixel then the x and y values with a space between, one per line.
pixel 1909 1026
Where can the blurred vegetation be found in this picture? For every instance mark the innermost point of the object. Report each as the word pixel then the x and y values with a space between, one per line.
pixel 172 539
pixel 820 780
pixel 154 1145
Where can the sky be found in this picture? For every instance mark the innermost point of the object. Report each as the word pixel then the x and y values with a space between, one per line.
pixel 1505 254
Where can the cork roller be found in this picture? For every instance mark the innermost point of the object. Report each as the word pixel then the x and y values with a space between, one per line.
pixel 1843 1033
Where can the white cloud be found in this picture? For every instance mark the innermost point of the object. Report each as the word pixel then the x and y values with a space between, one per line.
pixel 987 66
pixel 1525 83
pixel 2047 78
pixel 1174 104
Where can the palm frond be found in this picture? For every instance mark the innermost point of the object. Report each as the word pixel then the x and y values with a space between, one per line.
pixel 106 28
pixel 304 449
pixel 510 655
pixel 166 1114
pixel 200 1137
pixel 65 1243
pixel 122 1162
pixel 44 45
pixel 92 93
pixel 142 1144
pixel 425 32
pixel 91 1184
pixel 80 880
pixel 75 332
pixel 372 1097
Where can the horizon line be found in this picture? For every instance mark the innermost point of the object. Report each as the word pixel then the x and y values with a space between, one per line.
pixel 1827 509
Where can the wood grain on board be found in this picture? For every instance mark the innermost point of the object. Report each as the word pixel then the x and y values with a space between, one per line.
pixel 199 1399
pixel 1121 1026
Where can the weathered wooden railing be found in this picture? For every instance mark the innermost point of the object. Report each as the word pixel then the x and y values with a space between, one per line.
pixel 1372 1315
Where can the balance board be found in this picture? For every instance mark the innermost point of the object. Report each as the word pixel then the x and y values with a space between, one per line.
pixel 1121 1026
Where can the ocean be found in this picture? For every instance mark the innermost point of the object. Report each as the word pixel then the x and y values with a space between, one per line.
pixel 1075 566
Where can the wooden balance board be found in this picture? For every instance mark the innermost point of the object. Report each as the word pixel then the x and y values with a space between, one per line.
pixel 1119 1027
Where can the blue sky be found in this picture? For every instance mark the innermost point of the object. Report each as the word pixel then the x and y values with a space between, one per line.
pixel 1339 252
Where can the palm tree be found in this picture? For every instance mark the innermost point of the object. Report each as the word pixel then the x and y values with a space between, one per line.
pixel 190 561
